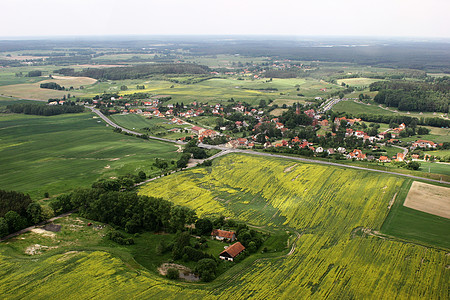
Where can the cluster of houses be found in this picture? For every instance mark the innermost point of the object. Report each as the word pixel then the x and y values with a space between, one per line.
pixel 231 251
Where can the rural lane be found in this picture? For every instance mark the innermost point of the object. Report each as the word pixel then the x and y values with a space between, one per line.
pixel 226 150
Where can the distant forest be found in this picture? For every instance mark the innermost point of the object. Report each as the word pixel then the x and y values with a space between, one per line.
pixel 431 56
pixel 414 96
pixel 134 72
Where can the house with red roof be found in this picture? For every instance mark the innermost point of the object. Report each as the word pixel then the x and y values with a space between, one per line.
pixel 423 144
pixel 384 159
pixel 197 130
pixel 356 154
pixel 232 251
pixel 221 235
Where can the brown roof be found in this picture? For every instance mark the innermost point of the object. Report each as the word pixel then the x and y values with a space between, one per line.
pixel 234 249
pixel 222 233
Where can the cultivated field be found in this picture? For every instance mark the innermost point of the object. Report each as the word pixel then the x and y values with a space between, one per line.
pixel 34 92
pixel 358 82
pixel 59 153
pixel 429 198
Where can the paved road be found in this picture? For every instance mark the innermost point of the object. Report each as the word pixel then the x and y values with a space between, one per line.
pixel 111 123
pixel 229 150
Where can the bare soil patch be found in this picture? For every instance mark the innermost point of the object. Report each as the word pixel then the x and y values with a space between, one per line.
pixel 43 232
pixel 429 198
pixel 53 227
pixel 38 249
pixel 288 169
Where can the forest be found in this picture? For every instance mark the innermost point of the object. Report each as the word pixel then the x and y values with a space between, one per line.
pixel 414 96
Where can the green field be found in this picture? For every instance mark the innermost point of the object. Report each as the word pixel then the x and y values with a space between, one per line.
pixel 435 167
pixel 59 153
pixel 358 108
pixel 415 225
pixel 325 205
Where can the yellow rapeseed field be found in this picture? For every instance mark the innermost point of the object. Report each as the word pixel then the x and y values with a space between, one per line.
pixel 325 204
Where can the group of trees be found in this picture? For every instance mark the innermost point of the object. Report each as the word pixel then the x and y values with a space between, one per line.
pixel 414 96
pixel 398 119
pixel 291 119
pixel 17 211
pixel 44 110
pixel 52 86
pixel 126 210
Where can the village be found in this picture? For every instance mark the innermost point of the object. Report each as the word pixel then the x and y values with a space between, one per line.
pixel 240 125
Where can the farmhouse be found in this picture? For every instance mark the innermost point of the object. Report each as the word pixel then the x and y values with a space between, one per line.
pixel 223 235
pixel 197 130
pixel 423 144
pixel 231 252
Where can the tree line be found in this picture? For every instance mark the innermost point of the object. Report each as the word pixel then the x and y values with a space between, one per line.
pixel 45 110
pixel 134 72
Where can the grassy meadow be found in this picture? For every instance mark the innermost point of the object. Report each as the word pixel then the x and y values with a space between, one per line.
pixel 59 153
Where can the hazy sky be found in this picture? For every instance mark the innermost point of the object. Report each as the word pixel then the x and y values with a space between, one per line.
pixel 410 18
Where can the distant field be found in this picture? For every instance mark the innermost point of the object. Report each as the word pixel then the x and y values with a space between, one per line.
pixel 356 108
pixel 277 112
pixel 59 153
pixel 34 92
pixel 358 82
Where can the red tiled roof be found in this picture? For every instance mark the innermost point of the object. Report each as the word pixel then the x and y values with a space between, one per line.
pixel 222 233
pixel 234 249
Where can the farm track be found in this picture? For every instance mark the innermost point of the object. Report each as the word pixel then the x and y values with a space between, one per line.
pixel 228 150
pixel 238 274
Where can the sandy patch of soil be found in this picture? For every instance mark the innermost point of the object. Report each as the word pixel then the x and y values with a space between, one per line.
pixel 392 201
pixel 180 149
pixel 114 159
pixel 193 162
pixel 185 272
pixel 38 249
pixel 43 232
pixel 67 255
pixel 288 169
pixel 429 198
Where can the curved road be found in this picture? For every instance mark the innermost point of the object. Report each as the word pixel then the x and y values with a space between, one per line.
pixel 229 150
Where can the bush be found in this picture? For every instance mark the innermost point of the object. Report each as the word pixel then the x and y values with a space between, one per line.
pixel 173 273
pixel 119 238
